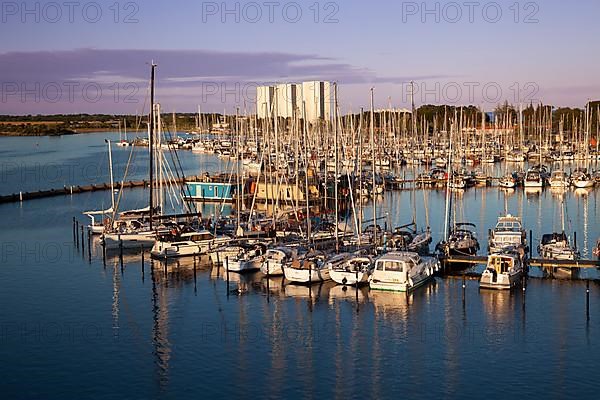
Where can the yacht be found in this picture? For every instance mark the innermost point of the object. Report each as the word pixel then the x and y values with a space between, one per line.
pixel 249 258
pixel 187 244
pixel 508 233
pixel 308 268
pixel 350 269
pixel 596 250
pixel 402 271
pixel 559 179
pixel 276 258
pixel 556 246
pixel 503 270
pixel 533 178
pixel 97 227
pixel 581 179
pixel 462 241
pixel 507 181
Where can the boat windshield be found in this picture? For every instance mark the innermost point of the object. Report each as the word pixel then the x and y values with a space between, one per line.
pixel 395 266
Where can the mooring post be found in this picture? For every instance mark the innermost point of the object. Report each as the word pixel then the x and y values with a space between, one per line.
pixel 464 286
pixel 104 251
pixel 89 235
pixel 76 236
pixel 74 230
pixel 530 243
pixel 268 283
pixel 575 239
pixel 82 242
pixel 120 251
pixel 195 280
pixel 227 273
pixel 587 300
pixel 142 249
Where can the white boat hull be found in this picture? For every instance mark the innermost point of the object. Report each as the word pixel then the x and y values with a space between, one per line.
pixel 244 265
pixel 502 281
pixel 348 277
pixel 129 241
pixel 299 275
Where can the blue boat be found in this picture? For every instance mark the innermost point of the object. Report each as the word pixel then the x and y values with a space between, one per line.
pixel 211 191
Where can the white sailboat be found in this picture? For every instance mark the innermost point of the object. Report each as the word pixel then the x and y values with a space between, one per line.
pixel 350 269
pixel 307 269
pixel 402 271
pixel 173 244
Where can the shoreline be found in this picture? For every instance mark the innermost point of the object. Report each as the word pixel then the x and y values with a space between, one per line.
pixel 66 133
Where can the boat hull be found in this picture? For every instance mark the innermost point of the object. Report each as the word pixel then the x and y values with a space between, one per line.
pixel 502 281
pixel 348 277
pixel 129 241
pixel 298 275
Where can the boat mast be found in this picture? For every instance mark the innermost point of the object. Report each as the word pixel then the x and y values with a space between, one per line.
pixel 238 160
pixel 151 140
pixel 335 171
pixel 448 198
pixel 373 169
pixel 112 184
pixel 306 153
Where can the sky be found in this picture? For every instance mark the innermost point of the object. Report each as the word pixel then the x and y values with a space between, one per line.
pixel 94 56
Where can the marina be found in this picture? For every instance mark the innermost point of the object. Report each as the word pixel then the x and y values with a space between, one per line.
pixel 279 201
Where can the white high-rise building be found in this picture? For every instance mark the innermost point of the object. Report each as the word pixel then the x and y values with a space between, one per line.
pixel 318 99
pixel 286 95
pixel 265 98
pixel 283 99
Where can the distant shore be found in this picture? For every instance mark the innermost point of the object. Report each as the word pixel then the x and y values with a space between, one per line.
pixel 57 132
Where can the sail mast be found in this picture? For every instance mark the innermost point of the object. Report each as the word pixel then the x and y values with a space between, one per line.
pixel 151 141
pixel 373 169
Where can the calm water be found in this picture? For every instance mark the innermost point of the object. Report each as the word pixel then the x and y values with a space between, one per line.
pixel 72 325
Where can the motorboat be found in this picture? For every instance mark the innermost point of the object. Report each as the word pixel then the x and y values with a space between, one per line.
pixel 503 270
pixel 508 232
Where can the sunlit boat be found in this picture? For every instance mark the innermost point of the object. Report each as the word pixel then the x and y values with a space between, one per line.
pixel 581 179
pixel 187 244
pixel 533 178
pixel 309 268
pixel 462 240
pixel 276 258
pixel 559 179
pixel 556 246
pixel 249 258
pixel 507 181
pixel 348 269
pixel 503 270
pixel 508 233
pixel 402 271
pixel 97 227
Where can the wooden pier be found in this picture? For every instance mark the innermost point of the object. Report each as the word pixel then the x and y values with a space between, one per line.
pixel 75 189
pixel 547 265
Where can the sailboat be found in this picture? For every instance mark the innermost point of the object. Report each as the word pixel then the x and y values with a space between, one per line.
pixel 308 268
pixel 556 246
pixel 559 179
pixel 350 269
pixel 581 179
pixel 402 271
pixel 462 240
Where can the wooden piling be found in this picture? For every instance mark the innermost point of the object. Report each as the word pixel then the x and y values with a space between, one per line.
pixel 227 273
pixel 587 300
